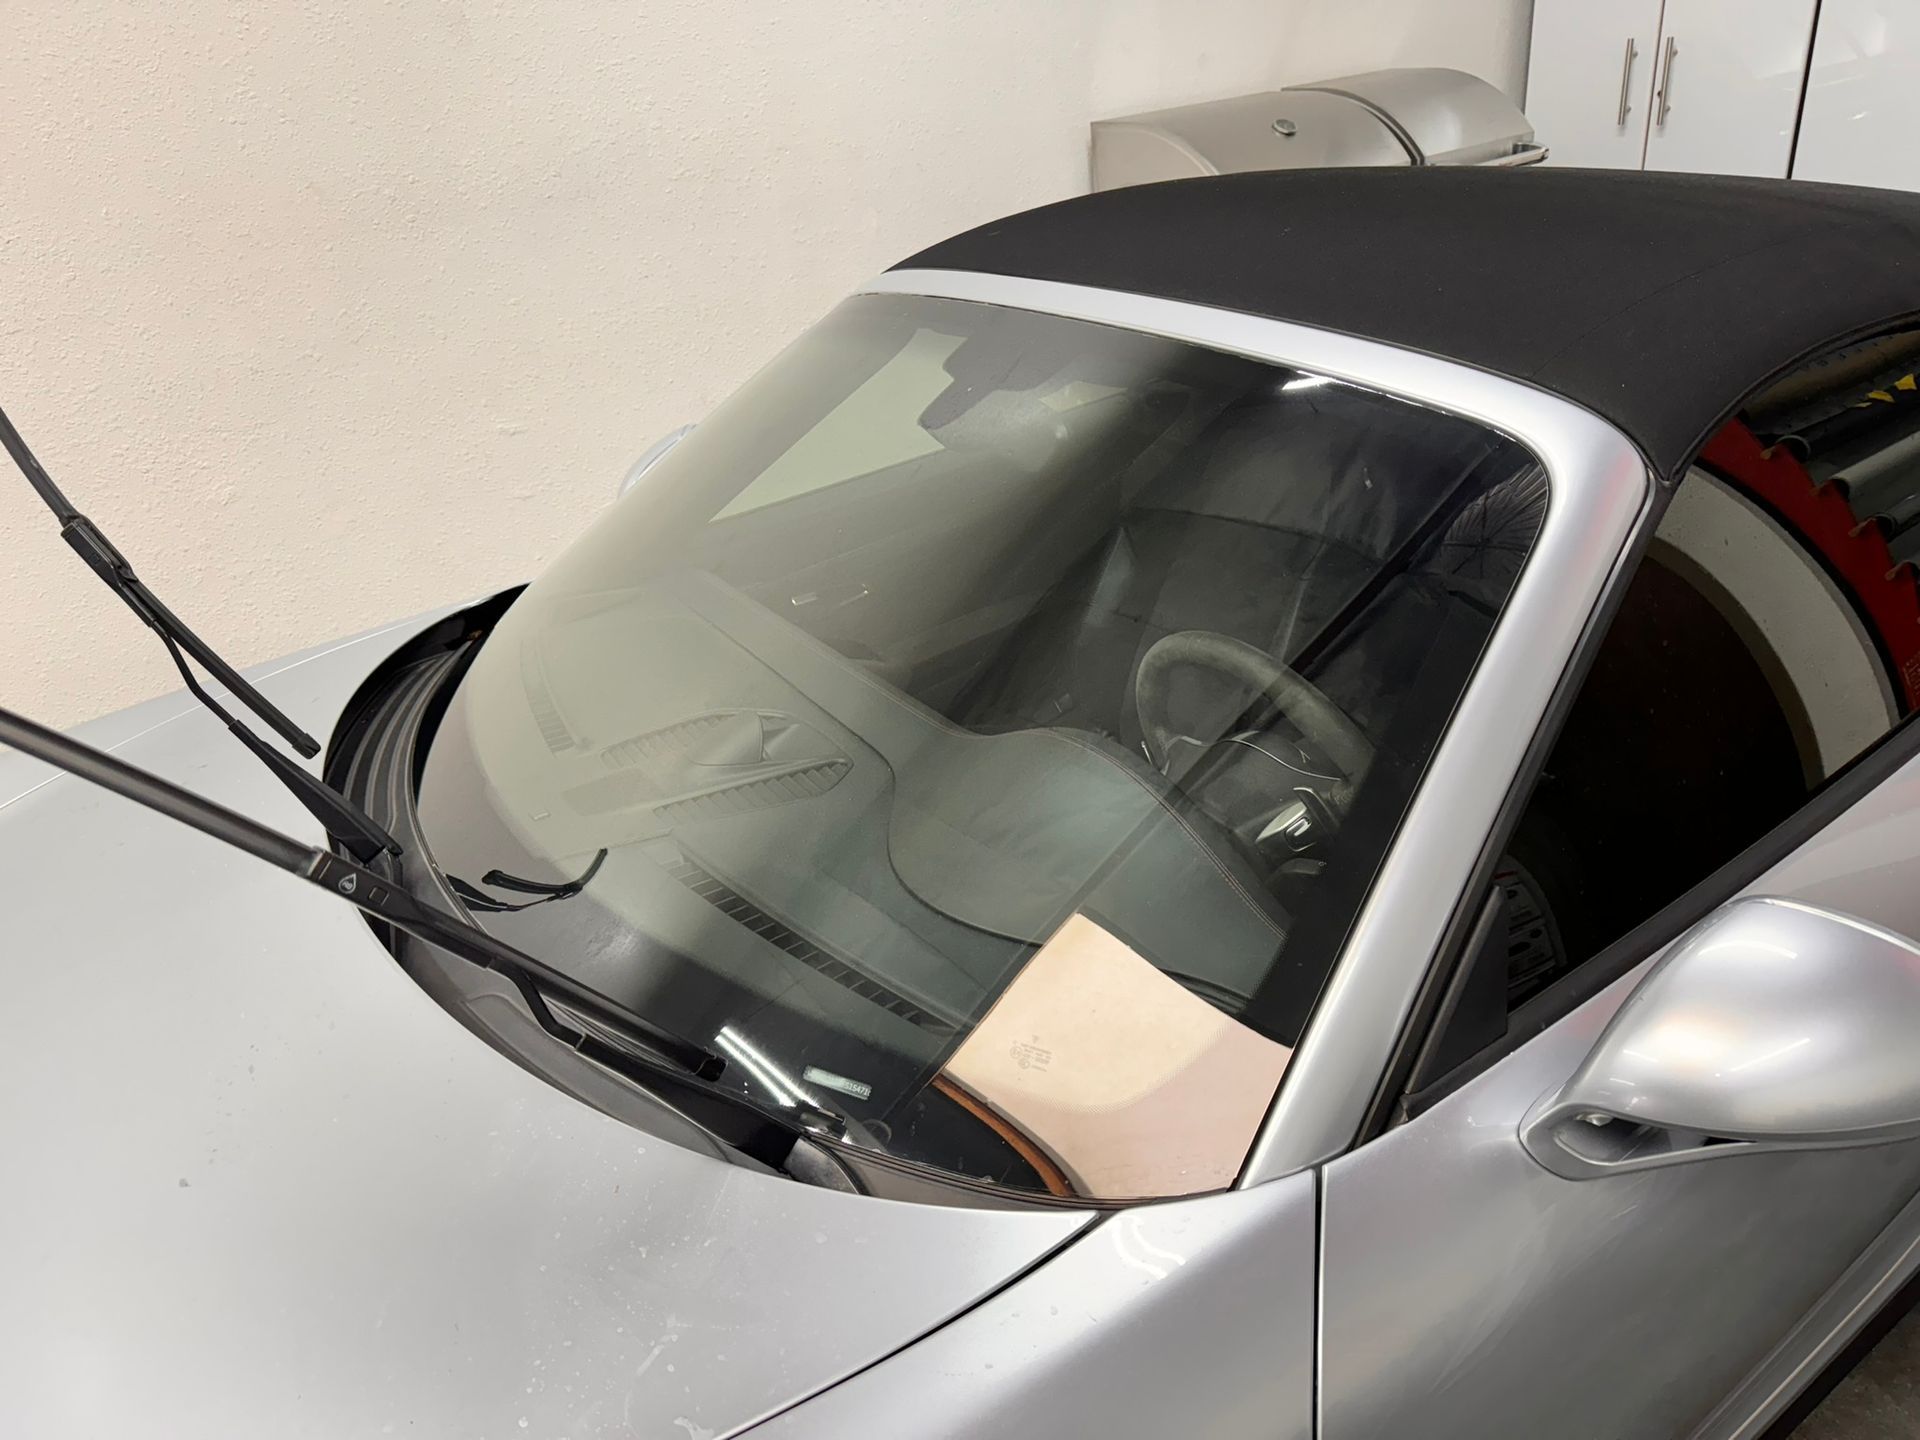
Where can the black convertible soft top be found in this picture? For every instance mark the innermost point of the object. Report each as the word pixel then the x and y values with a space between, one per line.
pixel 1658 301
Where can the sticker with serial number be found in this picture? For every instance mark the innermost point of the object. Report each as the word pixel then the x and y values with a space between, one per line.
pixel 859 1089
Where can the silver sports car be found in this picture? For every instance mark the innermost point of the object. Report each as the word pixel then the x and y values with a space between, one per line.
pixel 1266 807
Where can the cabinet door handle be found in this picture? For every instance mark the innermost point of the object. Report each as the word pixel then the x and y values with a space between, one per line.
pixel 1666 85
pixel 1626 82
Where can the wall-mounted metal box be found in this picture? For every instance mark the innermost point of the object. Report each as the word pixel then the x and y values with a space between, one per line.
pixel 1384 117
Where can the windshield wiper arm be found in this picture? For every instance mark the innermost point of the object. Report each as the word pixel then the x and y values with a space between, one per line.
pixel 662 1062
pixel 357 830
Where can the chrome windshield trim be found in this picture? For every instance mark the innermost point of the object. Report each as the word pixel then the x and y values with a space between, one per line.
pixel 1598 490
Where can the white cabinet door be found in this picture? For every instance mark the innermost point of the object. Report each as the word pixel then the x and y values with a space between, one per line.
pixel 1727 85
pixel 1590 79
pixel 1862 114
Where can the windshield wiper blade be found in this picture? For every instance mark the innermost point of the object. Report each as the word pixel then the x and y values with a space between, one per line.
pixel 112 567
pixel 357 830
pixel 660 1061
pixel 476 899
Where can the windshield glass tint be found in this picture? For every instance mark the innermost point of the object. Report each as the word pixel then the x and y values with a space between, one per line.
pixel 993 723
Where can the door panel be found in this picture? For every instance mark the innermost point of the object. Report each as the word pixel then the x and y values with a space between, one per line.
pixel 1863 96
pixel 1469 1292
pixel 1727 91
pixel 1590 80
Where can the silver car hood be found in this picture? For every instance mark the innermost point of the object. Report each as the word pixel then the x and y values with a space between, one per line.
pixel 258 1183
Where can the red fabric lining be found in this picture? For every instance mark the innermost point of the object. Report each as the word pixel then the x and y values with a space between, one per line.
pixel 1888 599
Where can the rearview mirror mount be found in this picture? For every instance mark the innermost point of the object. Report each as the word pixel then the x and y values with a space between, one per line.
pixel 651 457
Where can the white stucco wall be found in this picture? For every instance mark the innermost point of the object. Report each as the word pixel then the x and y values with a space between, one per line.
pixel 329 312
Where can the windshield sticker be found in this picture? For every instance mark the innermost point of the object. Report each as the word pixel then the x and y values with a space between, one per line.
pixel 827 1080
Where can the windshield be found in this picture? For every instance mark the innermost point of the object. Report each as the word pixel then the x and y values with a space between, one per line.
pixel 992 723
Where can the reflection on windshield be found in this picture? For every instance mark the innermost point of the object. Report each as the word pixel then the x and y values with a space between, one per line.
pixel 991 723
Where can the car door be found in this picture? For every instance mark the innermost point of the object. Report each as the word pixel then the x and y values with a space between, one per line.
pixel 1744 728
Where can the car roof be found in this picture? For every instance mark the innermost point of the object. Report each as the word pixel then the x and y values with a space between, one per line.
pixel 1658 301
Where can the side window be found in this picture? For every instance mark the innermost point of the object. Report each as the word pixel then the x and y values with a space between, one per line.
pixel 1770 635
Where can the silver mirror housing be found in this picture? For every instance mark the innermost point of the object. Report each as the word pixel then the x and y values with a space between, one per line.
pixel 651 457
pixel 1770 1025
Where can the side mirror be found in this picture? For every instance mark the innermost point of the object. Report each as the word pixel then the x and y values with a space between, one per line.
pixel 1771 1025
pixel 651 457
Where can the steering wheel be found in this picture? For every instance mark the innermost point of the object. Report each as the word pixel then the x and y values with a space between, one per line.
pixel 1319 719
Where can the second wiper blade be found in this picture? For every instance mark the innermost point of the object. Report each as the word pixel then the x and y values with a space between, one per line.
pixel 111 566
pixel 357 830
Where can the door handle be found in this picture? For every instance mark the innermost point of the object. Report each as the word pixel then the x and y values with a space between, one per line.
pixel 1664 92
pixel 1626 83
